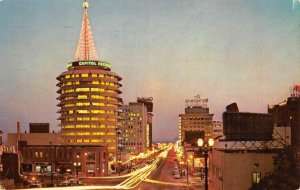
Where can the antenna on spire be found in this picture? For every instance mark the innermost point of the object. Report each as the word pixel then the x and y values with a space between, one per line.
pixel 85 4
pixel 86 49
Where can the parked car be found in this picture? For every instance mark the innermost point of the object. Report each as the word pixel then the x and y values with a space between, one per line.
pixel 177 176
pixel 65 183
pixel 198 179
pixel 35 184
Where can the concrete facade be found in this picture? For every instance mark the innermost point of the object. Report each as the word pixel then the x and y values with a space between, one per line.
pixel 33 138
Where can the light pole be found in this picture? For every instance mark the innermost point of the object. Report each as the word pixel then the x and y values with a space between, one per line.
pixel 187 171
pixel 180 167
pixel 77 164
pixel 119 149
pixel 119 164
pixel 205 147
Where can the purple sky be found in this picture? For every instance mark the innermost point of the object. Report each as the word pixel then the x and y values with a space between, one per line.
pixel 243 51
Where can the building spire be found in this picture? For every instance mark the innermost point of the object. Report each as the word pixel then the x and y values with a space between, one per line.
pixel 86 49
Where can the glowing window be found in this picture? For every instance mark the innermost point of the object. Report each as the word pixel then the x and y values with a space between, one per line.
pixel 101 75
pixel 82 89
pixel 79 140
pixel 94 75
pixel 111 133
pixel 69 105
pixel 256 176
pixel 82 97
pixel 96 140
pixel 67 76
pixel 97 97
pixel 98 104
pixel 82 126
pixel 71 112
pixel 95 82
pixel 82 111
pixel 98 133
pixel 84 75
pixel 83 104
pixel 97 111
pixel 83 133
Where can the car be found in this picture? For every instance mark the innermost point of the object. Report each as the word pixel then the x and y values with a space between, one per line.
pixel 175 172
pixel 65 183
pixel 198 179
pixel 50 185
pixel 177 176
pixel 198 174
pixel 34 186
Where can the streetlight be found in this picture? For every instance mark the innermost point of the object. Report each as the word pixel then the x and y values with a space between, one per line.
pixel 187 171
pixel 205 148
pixel 119 164
pixel 77 164
pixel 180 167
pixel 192 160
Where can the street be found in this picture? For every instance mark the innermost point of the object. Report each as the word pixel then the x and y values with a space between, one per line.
pixel 155 176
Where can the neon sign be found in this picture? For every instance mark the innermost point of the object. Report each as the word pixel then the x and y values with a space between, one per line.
pixel 102 64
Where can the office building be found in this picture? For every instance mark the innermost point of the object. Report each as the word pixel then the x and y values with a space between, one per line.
pixel 134 128
pixel 195 120
pixel 89 96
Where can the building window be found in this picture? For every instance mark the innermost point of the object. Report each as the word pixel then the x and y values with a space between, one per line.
pixel 256 177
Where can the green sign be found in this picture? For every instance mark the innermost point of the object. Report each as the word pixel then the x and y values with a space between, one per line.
pixel 89 63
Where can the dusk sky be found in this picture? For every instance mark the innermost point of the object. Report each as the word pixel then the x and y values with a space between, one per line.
pixel 244 51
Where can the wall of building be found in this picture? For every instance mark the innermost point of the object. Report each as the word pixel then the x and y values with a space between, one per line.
pixel 195 119
pixel 93 160
pixel 34 138
pixel 233 171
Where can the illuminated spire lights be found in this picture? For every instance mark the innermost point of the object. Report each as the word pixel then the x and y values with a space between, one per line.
pixel 86 49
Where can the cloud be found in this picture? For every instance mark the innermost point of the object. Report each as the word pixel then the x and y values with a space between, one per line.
pixel 295 2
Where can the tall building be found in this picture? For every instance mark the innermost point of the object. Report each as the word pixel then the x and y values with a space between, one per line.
pixel 287 114
pixel 134 128
pixel 196 120
pixel 136 134
pixel 148 102
pixel 89 95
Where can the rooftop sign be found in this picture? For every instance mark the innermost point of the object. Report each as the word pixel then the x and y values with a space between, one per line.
pixel 101 64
